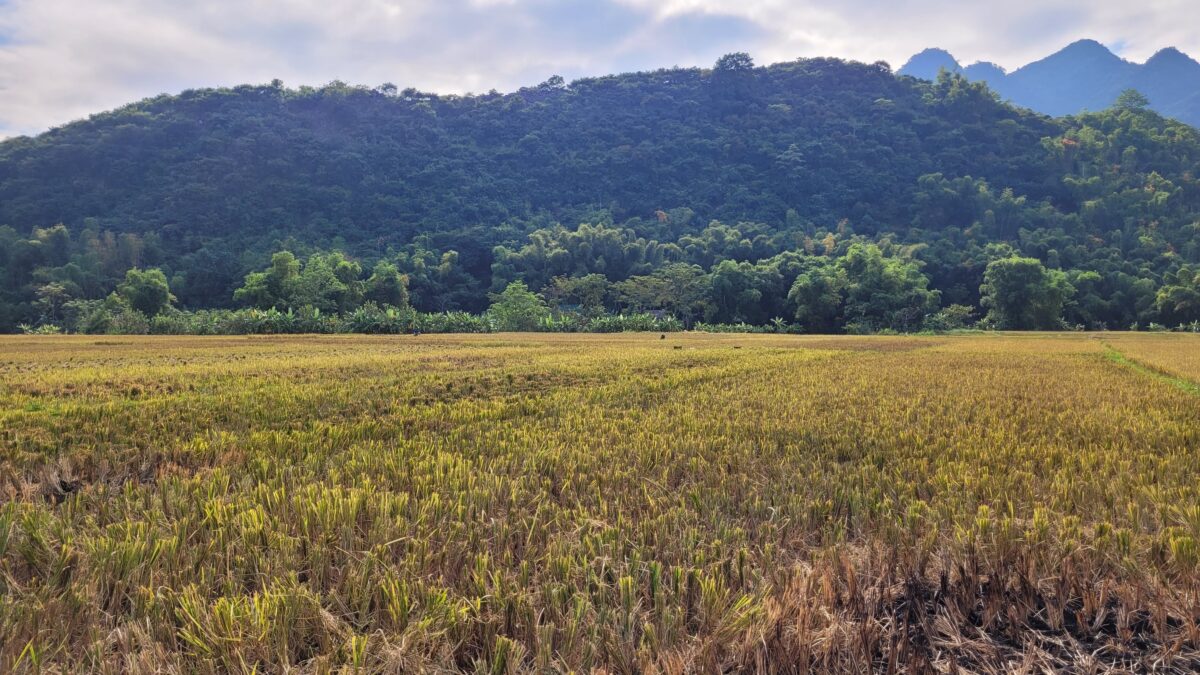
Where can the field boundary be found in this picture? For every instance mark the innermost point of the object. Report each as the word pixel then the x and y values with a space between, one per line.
pixel 1117 356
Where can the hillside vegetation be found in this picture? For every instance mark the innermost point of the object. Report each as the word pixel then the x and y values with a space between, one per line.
pixel 742 191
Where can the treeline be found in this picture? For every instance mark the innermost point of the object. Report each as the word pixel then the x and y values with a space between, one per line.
pixel 869 288
pixel 815 195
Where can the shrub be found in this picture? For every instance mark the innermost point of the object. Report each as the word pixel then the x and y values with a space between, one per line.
pixel 643 322
pixel 952 317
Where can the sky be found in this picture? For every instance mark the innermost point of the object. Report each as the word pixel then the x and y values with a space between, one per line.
pixel 61 60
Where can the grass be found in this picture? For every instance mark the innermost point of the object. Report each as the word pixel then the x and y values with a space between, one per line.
pixel 1154 371
pixel 622 503
pixel 1171 354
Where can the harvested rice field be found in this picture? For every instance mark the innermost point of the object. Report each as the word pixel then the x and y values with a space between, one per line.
pixel 628 503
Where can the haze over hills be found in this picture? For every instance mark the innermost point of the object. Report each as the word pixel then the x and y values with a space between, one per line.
pixel 1085 75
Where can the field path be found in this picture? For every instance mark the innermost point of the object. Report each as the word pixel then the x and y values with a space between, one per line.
pixel 1158 372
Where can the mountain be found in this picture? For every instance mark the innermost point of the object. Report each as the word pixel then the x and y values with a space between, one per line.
pixel 1085 75
pixel 983 71
pixel 1171 81
pixel 769 169
pixel 927 64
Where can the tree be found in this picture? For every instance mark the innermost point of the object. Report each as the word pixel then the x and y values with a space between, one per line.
pixel 737 291
pixel 884 292
pixel 439 283
pixel 318 285
pixel 1021 294
pixel 863 291
pixel 1178 301
pixel 783 163
pixel 146 291
pixel 590 292
pixel 56 243
pixel 1132 100
pixel 113 316
pixel 349 274
pixel 734 62
pixel 517 308
pixel 818 298
pixel 589 249
pixel 684 291
pixel 1090 305
pixel 733 79
pixel 256 291
pixel 952 317
pixel 553 82
pixel 269 288
pixel 329 282
pixel 387 286
pixel 51 298
pixel 679 289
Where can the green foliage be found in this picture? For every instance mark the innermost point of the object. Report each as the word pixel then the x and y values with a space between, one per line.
pixel 113 316
pixel 628 323
pixel 386 285
pixel 51 300
pixel 734 62
pixel 1132 100
pixel 44 329
pixel 1021 294
pixel 146 291
pixel 884 292
pixel 517 308
pixel 818 297
pixel 737 290
pixel 722 195
pixel 590 293
pixel 269 288
pixel 589 249
pixel 1178 301
pixel 319 285
pixel 865 291
pixel 680 289
pixel 736 328
pixel 950 318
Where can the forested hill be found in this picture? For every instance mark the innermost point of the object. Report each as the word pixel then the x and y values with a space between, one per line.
pixel 829 139
pixel 697 166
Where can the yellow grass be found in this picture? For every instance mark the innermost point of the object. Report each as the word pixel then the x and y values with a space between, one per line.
pixel 516 503
pixel 1174 354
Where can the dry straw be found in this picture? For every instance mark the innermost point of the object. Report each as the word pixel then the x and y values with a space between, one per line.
pixel 509 504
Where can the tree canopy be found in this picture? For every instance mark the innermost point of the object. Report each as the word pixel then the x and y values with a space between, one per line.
pixel 830 194
pixel 1021 294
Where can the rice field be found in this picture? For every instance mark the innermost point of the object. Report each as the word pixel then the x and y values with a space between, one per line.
pixel 612 504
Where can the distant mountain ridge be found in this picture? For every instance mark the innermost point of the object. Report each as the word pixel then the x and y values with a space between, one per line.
pixel 1085 75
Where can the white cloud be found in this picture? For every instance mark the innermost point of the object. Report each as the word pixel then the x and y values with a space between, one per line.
pixel 1011 33
pixel 63 59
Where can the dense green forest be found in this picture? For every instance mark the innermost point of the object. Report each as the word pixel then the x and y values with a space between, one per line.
pixel 818 195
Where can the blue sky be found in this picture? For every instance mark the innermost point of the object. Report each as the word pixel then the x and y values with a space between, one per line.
pixel 61 60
